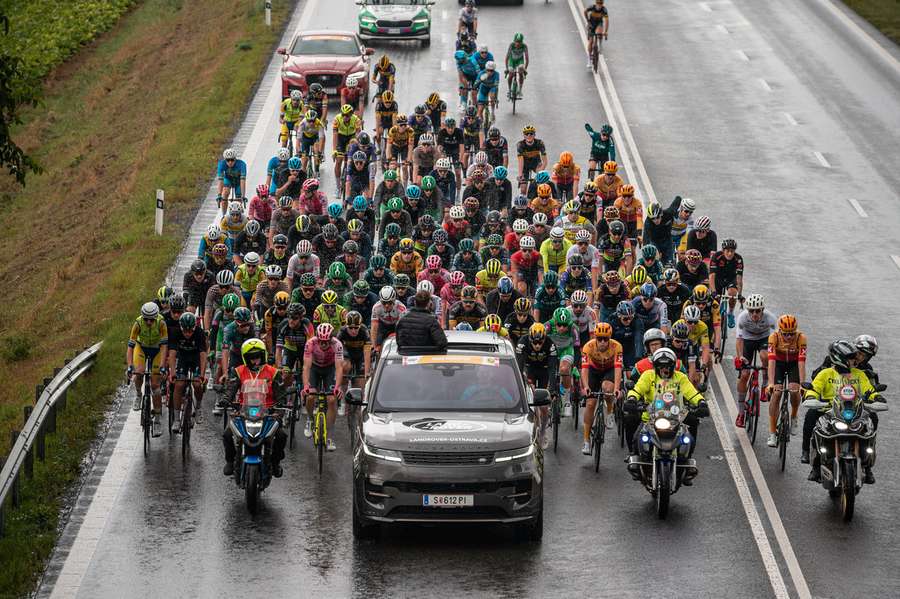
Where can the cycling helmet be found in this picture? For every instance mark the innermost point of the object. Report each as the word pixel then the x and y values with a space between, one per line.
pixel 280 240
pixel 680 330
pixel 562 316
pixel 392 229
pixel 350 247
pixel 493 267
pixel 500 172
pixel 401 119
pixel 520 201
pixel 755 302
pixel 649 252
pixel 648 290
pixel 590 188
pixel 254 353
pixel 528 130
pixel 198 266
pixel 213 233
pixel 626 191
pixel 557 233
pixel 149 310
pixel 460 56
pixel 493 323
pixel 433 262
pixel 664 358
pixel 242 315
pixel 282 299
pixel 571 207
pixel 606 130
pixel 638 275
pixel 225 278
pixel 611 213
pixel 654 210
pixel 466 245
pixel 582 236
pixel 616 228
pixel 611 276
pixel 551 279
pixel 471 111
pixel 439 236
pixel 493 217
pixel 311 115
pixel 316 88
pixel 302 223
pixel 401 281
pixel 575 260
pixel 457 277
pixel 544 190
pixel 654 335
pixel 220 250
pixel 187 321
pixel 787 323
pixel 252 228
pixel 337 270
pixel 494 240
pixel 294 164
pixel 625 308
pixel 867 345
pixel 329 297
pixel 296 310
pixel 283 154
pixel 361 288
pixel 691 314
pixel 693 256
pixel 425 285
pixel 359 156
pixel 481 157
pixel 579 297
pixel 296 95
pixel 354 225
pixel 703 223
pixel 377 261
pixel 522 305
pixel 231 302
pixel 463 326
pixel 395 204
pixel 610 167
pixel 505 285
pixel 406 244
pixel 346 109
pixel 537 331
pixel 390 175
pixel 520 225
pixel 334 210
pixel 468 293
pixel 285 201
pixel 304 248
pixel 539 218
pixel 729 244
pixel 413 192
pixel 324 331
pixel 307 279
pixel 387 294
pixel 566 159
pixel 354 319
pixel 494 133
pixel 670 275
pixel 330 231
pixel 251 259
pixel 426 139
pixel 229 154
pixel 701 294
pixel 442 163
pixel 542 177
pixel 262 191
pixel 687 204
pixel 273 271
pixel 164 294
pixel 841 352
pixel 420 109
pixel 457 212
pixel 603 330
pixel 428 183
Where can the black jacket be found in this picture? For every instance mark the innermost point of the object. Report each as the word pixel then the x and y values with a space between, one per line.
pixel 417 328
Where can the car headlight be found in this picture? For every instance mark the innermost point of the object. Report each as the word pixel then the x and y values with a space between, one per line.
pixel 291 75
pixel 514 454
pixel 387 455
pixel 840 426
pixel 421 20
pixel 367 19
pixel 662 424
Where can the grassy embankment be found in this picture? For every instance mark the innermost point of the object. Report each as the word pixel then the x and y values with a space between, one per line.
pixel 883 14
pixel 149 103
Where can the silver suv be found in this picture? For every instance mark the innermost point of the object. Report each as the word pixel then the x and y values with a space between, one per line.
pixel 448 437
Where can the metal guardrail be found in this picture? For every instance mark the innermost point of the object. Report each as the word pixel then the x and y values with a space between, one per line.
pixel 40 419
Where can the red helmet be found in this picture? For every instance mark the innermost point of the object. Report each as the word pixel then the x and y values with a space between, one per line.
pixel 324 331
pixel 457 277
pixel 433 262
pixel 262 191
pixel 311 184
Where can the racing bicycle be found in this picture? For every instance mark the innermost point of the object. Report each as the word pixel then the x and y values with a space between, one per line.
pixel 598 427
pixel 783 425
pixel 320 427
pixel 754 396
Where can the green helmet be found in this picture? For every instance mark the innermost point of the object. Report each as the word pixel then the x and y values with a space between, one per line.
pixel 518 38
pixel 428 183
pixel 401 281
pixel 562 316
pixel 231 301
pixel 551 278
pixel 392 230
pixel 187 321
pixel 394 204
pixel 649 251
pixel 377 261
pixel 307 279
pixel 243 314
pixel 495 240
pixel 466 245
pixel 390 175
pixel 360 288
pixel 337 270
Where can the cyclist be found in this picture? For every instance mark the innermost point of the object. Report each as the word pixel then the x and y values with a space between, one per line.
pixel 538 359
pixel 597 18
pixel 566 175
pixel 631 213
pixel 626 331
pixel 467 309
pixel 754 325
pixel 329 311
pixel 234 335
pixel 674 293
pixel 487 279
pixel 276 170
pixel 682 211
pixel 658 232
pixel 386 109
pixel 435 109
pixel 400 146
pixel 345 127
pixel 548 297
pixel 323 371
pixel 575 277
pixel 601 370
pixel 352 95
pixel 649 309
pixel 531 155
pixel 354 336
pixel 702 238
pixel 496 147
pixel 554 250
pixel 360 176
pixel 274 314
pixel 385 315
pixel 787 358
pixel 292 185
pixel 423 157
pixel 473 136
pixel 468 19
pixel 255 378
pixel 317 100
pixel 383 75
pixel 466 259
pixel 377 275
pixel 585 317
pixel 493 324
pixel 844 371
pixel 148 340
pixel 608 184
pixel 615 247
pixel 501 300
pixel 516 64
pixel 603 148
pixel 519 321
pixel 562 332
pixel 291 113
pixel 726 275
pixel 448 171
pixel 290 341
pixel 525 266
pixel 188 354
pixel 610 293
pixel 231 175
pixel 709 312
pixel 465 42
pixel 649 260
pixel 278 255
pixel 652 340
pixel 692 270
pixel 195 284
pixel 387 189
pixel 466 71
pixel 248 276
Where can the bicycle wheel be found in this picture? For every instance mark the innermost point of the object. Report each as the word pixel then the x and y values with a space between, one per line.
pixel 753 414
pixel 514 92
pixel 595 53
pixel 784 427
pixel 321 438
pixel 620 423
pixel 576 403
pixel 186 409
pixel 597 437
pixel 146 421
pixel 170 408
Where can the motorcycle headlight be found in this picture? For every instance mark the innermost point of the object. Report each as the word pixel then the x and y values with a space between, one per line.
pixel 253 413
pixel 662 424
pixel 253 428
pixel 514 454
pixel 840 426
pixel 848 414
pixel 387 455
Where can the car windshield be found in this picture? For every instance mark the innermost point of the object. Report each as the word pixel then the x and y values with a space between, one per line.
pixel 447 384
pixel 397 2
pixel 330 45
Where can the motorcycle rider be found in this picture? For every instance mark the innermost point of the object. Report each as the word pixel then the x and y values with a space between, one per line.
pixel 252 373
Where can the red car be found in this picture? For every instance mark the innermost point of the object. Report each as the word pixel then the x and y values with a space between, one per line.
pixel 325 56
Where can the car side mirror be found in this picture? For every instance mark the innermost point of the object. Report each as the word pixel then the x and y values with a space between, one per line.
pixel 807 386
pixel 355 397
pixel 541 398
pixel 370 51
pixel 282 51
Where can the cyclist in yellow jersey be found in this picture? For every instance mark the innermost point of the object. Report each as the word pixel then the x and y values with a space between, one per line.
pixel 492 324
pixel 149 340
pixel 291 113
pixel 345 127
pixel 308 132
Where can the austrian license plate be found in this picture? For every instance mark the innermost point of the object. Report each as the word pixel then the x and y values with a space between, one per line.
pixel 330 90
pixel 393 30
pixel 448 500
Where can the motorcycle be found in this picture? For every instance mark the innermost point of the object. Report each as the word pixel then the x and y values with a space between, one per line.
pixel 664 446
pixel 253 428
pixel 844 443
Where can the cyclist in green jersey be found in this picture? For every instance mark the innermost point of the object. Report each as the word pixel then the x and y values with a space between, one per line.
pixel 561 330
pixel 516 63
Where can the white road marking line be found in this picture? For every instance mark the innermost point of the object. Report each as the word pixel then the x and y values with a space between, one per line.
pixel 784 543
pixel 705 6
pixel 443 65
pixel 880 50
pixel 444 14
pixel 790 119
pixel 896 260
pixel 858 208
pixel 742 55
pixel 723 29
pixel 775 577
pixel 821 159
pixel 765 85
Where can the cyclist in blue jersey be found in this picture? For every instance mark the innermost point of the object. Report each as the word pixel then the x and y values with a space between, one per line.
pixel 482 57
pixel 488 82
pixel 467 72
pixel 232 175
pixel 276 162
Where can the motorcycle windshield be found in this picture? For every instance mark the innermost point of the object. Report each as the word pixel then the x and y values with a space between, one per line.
pixel 254 394
pixel 667 403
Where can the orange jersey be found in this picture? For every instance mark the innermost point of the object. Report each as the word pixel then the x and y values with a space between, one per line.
pixel 593 357
pixel 608 191
pixel 630 212
pixel 565 174
pixel 551 208
pixel 787 350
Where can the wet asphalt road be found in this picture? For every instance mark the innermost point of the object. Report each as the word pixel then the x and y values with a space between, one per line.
pixel 706 128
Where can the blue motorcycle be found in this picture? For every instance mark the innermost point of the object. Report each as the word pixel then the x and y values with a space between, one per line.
pixel 253 427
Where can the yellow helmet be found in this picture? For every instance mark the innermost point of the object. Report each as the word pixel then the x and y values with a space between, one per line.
pixel 406 244
pixel 603 330
pixel 537 330
pixel 626 190
pixel 701 293
pixel 387 96
pixel 492 322
pixel 566 159
pixel 282 299
pixel 610 167
pixel 329 298
pixel 433 99
pixel 638 275
pixel 543 190
pixel 493 267
pixel 787 323
pixel 384 62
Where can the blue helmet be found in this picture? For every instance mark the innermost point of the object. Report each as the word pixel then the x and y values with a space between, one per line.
pixel 460 56
pixel 520 202
pixel 294 163
pixel 463 326
pixel 334 210
pixel 542 177
pixel 648 289
pixel 413 191
pixel 360 203
pixel 500 172
pixel 625 308
pixel 505 285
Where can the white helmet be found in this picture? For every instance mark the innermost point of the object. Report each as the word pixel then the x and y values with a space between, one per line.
pixel 490 65
pixel 483 48
pixel 235 207
pixel 457 212
pixel 213 232
pixel 481 157
pixel 229 154
pixel 387 294
pixel 352 82
pixel 150 310
pixel 688 204
pixel 556 232
pixel 582 235
pixel 520 225
pixel 527 242
pixel 225 278
pixel 251 259
pixel 539 218
pixel 296 94
pixel 443 163
pixel 273 271
pixel 426 138
pixel 755 302
pixel 283 154
pixel 425 285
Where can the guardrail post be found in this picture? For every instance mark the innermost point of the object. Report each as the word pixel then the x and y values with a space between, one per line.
pixel 29 455
pixel 13 435
pixel 1 519
pixel 61 402
pixel 41 447
pixel 38 389
pixel 268 13
pixel 50 421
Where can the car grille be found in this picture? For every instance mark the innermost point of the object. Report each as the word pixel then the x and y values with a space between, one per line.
pixel 476 511
pixel 325 80
pixel 381 23
pixel 441 458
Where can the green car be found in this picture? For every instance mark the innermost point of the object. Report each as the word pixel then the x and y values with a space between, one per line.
pixel 395 19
